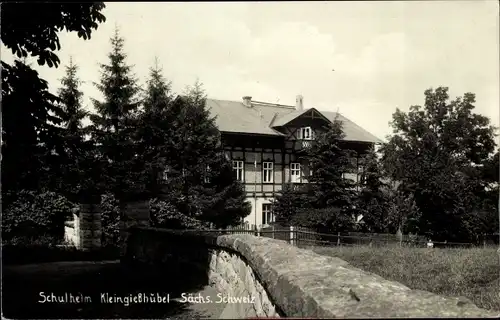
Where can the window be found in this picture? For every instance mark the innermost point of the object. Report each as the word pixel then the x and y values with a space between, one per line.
pixel 238 170
pixel 267 170
pixel 267 214
pixel 295 172
pixel 306 133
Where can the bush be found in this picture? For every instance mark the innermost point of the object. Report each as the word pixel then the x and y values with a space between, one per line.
pixel 36 216
pixel 32 242
pixel 402 212
pixel 15 253
pixel 325 220
pixel 110 220
pixel 165 215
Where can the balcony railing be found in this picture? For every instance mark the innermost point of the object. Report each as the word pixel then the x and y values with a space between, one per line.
pixel 303 144
pixel 306 144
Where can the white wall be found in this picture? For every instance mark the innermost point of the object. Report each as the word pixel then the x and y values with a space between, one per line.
pixel 256 212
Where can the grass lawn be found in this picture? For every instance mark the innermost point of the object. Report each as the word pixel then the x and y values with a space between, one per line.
pixel 473 273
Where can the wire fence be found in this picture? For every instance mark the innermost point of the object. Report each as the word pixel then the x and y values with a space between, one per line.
pixel 300 236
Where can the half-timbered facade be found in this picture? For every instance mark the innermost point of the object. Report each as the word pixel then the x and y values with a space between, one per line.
pixel 264 141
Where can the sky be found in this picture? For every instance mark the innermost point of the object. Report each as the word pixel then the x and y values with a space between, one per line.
pixel 363 59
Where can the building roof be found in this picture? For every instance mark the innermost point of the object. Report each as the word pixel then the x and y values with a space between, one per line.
pixel 234 116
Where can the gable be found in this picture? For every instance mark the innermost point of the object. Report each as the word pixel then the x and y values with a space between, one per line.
pixel 289 118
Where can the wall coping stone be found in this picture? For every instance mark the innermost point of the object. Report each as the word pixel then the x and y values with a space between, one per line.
pixel 304 284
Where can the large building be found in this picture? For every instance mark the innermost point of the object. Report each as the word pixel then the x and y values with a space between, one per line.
pixel 263 141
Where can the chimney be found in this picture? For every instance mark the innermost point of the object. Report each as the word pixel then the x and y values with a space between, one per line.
pixel 247 101
pixel 299 103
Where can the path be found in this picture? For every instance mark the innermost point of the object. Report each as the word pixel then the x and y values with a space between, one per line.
pixel 23 284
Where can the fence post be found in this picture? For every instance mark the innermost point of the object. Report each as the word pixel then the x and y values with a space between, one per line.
pixel 292 236
pixel 338 238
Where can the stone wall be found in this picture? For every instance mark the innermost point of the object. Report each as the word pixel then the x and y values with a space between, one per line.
pixel 230 275
pixel 288 281
pixel 84 231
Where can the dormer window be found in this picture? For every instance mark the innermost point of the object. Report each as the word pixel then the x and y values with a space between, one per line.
pixel 306 133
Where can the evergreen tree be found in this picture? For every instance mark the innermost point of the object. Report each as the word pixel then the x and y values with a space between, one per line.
pixel 200 181
pixel 71 98
pixel 326 203
pixel 31 132
pixel 114 130
pixel 155 128
pixel 327 187
pixel 31 114
pixel 287 204
pixel 373 196
pixel 328 161
pixel 115 124
pixel 73 165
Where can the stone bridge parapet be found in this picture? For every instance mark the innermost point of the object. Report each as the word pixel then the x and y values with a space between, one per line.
pixel 286 281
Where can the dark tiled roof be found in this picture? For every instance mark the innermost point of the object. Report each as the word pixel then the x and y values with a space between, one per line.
pixel 234 116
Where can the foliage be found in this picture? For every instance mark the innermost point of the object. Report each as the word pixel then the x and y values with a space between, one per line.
pixel 372 201
pixel 71 96
pixel 328 161
pixel 76 164
pixel 489 173
pixel 402 213
pixel 433 154
pixel 180 136
pixel 110 220
pixel 155 128
pixel 36 215
pixel 327 201
pixel 287 204
pixel 30 134
pixel 323 220
pixel 32 28
pixel 166 215
pixel 30 251
pixel 37 241
pixel 114 125
pixel 32 139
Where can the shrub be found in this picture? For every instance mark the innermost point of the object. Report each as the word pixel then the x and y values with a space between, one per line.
pixel 36 216
pixel 324 220
pixel 110 220
pixel 402 212
pixel 165 215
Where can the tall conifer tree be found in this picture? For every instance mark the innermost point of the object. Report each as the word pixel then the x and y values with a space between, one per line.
pixel 200 183
pixel 73 165
pixel 115 123
pixel 155 128
pixel 114 129
pixel 327 201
